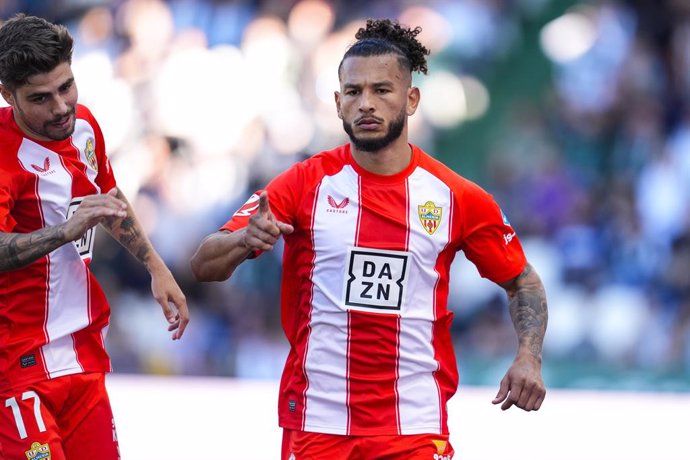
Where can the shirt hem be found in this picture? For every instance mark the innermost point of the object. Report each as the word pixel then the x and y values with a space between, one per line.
pixel 386 431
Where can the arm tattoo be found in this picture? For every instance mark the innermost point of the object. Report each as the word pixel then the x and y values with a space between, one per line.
pixel 128 233
pixel 20 249
pixel 528 310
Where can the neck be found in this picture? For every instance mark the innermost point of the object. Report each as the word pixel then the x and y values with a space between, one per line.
pixel 387 161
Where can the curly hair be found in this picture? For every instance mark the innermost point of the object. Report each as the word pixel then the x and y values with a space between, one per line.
pixel 30 45
pixel 386 36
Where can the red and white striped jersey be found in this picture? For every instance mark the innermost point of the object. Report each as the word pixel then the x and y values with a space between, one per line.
pixel 53 314
pixel 365 289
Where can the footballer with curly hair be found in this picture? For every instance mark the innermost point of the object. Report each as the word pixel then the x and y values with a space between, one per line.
pixel 371 229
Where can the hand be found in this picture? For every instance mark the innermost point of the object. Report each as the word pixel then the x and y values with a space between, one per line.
pixel 522 385
pixel 93 210
pixel 263 229
pixel 166 292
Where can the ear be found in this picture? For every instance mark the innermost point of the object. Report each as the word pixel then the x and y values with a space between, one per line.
pixel 7 95
pixel 413 96
pixel 337 104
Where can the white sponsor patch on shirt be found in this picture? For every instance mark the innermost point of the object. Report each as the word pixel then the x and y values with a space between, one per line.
pixel 85 244
pixel 376 280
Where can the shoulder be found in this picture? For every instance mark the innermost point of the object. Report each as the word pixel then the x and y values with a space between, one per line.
pixel 10 140
pixel 461 187
pixel 326 163
pixel 84 113
pixel 314 168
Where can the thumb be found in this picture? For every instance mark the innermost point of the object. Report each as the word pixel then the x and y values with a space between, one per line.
pixel 112 191
pixel 502 392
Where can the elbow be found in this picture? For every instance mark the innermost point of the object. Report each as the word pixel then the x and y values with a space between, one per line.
pixel 197 269
pixel 204 271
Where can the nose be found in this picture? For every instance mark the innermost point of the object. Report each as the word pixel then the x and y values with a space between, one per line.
pixel 60 106
pixel 365 102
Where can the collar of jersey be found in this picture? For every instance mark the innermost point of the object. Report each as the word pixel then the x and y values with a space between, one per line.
pixel 381 179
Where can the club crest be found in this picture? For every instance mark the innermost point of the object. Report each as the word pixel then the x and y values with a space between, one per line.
pixel 430 216
pixel 38 451
pixel 90 152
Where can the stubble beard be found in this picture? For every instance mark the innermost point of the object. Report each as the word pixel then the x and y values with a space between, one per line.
pixel 45 129
pixel 395 129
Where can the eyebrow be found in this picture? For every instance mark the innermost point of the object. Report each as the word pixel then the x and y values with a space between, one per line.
pixel 38 94
pixel 377 84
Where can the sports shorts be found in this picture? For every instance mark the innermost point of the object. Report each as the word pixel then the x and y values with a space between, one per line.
pixel 302 445
pixel 67 417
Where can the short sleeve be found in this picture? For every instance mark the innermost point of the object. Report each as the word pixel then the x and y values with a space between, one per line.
pixel 7 222
pixel 489 241
pixel 284 194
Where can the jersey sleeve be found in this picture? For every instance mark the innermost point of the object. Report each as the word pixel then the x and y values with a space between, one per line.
pixel 489 241
pixel 284 194
pixel 7 222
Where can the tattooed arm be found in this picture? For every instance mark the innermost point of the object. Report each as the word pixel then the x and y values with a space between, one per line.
pixel 128 232
pixel 20 249
pixel 523 385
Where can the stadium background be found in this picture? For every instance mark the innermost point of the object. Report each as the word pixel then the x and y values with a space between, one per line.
pixel 575 115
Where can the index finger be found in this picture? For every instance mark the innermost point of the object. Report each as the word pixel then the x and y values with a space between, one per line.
pixel 263 203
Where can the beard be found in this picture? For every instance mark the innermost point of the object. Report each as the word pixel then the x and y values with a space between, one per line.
pixel 395 129
pixel 47 129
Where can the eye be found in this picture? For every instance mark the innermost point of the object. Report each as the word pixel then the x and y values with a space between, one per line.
pixel 66 87
pixel 38 99
pixel 351 92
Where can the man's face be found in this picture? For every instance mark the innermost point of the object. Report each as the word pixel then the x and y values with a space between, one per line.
pixel 374 100
pixel 44 108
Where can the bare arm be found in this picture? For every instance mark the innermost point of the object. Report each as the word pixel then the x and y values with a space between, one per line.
pixel 20 249
pixel 128 232
pixel 523 385
pixel 220 253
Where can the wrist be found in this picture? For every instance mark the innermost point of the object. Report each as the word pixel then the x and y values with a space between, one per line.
pixel 154 264
pixel 529 352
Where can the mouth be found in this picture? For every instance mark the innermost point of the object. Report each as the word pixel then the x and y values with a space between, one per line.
pixel 62 122
pixel 368 123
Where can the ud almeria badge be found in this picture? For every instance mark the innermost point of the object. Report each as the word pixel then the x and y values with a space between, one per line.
pixel 430 216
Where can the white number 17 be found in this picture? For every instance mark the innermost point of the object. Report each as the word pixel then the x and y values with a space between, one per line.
pixel 12 403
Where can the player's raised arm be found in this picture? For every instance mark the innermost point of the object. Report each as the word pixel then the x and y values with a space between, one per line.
pixel 20 249
pixel 220 253
pixel 522 385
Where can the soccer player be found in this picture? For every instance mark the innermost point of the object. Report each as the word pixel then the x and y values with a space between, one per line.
pixel 371 229
pixel 56 185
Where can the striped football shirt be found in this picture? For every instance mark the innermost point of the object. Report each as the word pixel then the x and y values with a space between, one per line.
pixel 365 289
pixel 53 314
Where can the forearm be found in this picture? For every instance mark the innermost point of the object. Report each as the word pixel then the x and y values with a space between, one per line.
pixel 528 311
pixel 20 249
pixel 128 232
pixel 219 255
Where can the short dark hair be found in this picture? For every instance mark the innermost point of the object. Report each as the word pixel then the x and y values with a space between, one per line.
pixel 30 45
pixel 386 36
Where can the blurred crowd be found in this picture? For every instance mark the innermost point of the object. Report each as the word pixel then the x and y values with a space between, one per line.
pixel 202 102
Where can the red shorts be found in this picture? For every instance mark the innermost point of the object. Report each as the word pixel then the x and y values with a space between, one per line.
pixel 302 445
pixel 65 418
